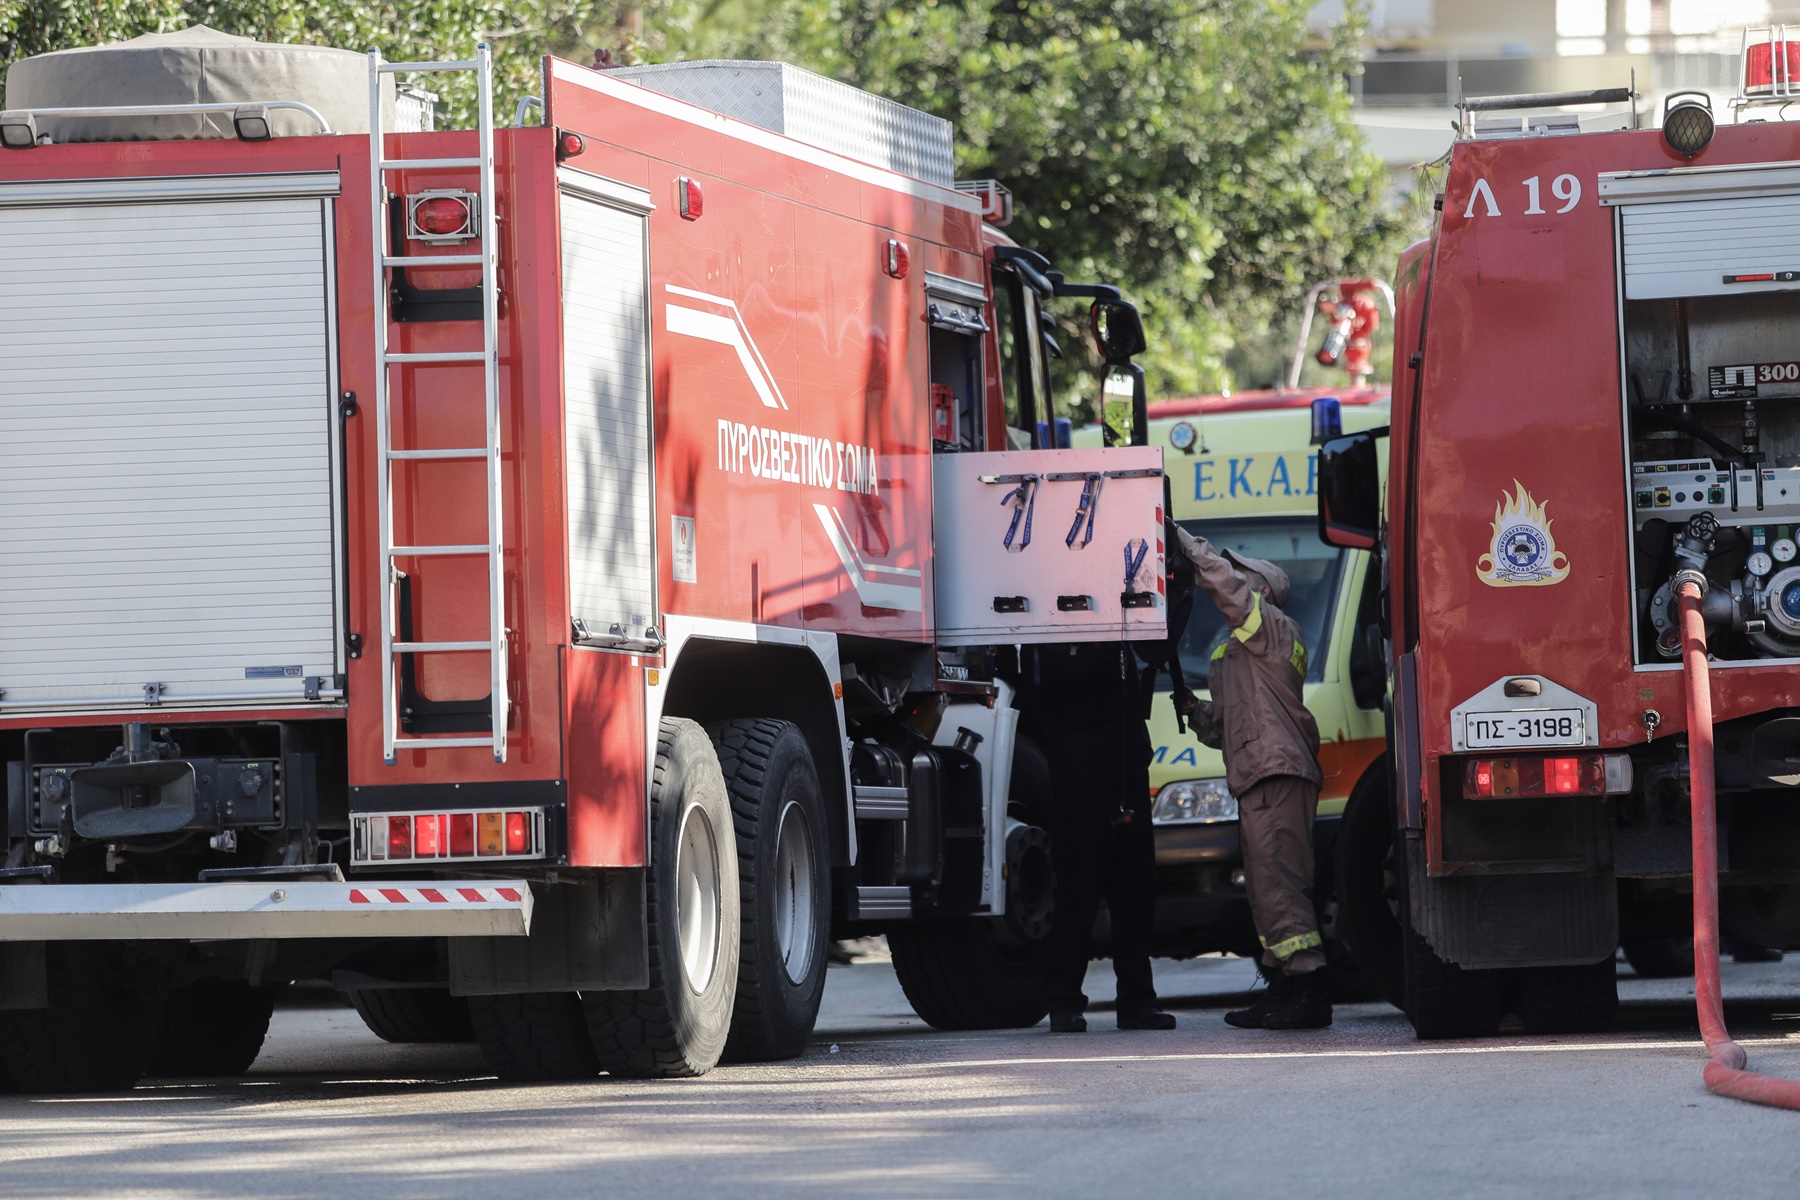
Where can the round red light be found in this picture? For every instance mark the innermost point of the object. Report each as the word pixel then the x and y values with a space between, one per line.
pixel 442 216
pixel 569 145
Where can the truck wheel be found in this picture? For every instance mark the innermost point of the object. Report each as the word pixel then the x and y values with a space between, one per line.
pixel 1568 999
pixel 975 972
pixel 533 1037
pixel 96 1036
pixel 1659 957
pixel 212 1028
pixel 413 1014
pixel 677 1026
pixel 1444 1000
pixel 1367 892
pixel 779 817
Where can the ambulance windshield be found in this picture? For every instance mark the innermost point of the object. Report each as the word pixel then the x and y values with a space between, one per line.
pixel 1313 568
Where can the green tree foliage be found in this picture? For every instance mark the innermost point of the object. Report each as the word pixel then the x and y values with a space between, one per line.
pixel 411 30
pixel 1201 155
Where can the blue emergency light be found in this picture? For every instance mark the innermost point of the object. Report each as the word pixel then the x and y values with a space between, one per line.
pixel 1327 419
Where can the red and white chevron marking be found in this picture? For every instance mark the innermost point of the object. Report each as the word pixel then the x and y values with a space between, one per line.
pixel 431 895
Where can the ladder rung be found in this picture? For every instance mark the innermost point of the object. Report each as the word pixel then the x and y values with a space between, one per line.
pixel 441 743
pixel 409 455
pixel 390 68
pixel 426 164
pixel 436 551
pixel 440 647
pixel 445 356
pixel 434 260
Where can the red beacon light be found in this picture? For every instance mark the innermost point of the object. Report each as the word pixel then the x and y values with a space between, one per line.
pixel 1769 68
pixel 442 215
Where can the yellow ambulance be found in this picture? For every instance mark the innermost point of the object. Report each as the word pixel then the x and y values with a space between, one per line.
pixel 1242 471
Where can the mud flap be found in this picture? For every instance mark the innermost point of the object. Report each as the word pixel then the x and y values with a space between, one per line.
pixel 1535 920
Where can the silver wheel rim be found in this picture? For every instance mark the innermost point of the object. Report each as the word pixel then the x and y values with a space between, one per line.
pixel 697 916
pixel 796 908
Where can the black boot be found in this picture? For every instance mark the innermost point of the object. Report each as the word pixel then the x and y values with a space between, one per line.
pixel 1067 1022
pixel 1255 1017
pixel 1307 1004
pixel 1145 1018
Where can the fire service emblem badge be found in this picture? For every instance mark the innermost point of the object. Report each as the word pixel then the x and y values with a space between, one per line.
pixel 1523 553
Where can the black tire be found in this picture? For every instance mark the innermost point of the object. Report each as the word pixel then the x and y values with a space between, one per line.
pixel 96 1036
pixel 533 1037
pixel 1444 1000
pixel 430 1015
pixel 1659 957
pixel 1368 894
pixel 677 1026
pixel 970 972
pixel 783 892
pixel 1568 999
pixel 212 1028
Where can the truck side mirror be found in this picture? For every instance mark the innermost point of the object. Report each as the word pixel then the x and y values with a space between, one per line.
pixel 1350 492
pixel 1118 331
pixel 1124 410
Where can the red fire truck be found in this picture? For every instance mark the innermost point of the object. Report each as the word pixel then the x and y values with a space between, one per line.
pixel 539 576
pixel 1595 403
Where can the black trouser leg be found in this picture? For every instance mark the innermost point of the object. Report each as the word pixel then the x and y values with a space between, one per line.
pixel 1078 889
pixel 1131 901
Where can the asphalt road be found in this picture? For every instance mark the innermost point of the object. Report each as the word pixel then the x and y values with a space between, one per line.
pixel 881 1106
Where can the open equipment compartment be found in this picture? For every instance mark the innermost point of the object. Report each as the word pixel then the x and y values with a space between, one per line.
pixel 1710 363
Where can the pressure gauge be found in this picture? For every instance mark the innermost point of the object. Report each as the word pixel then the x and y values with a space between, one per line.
pixel 1761 564
pixel 1182 437
pixel 1783 549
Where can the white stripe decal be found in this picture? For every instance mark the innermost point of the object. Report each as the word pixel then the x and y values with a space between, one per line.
pixel 906 597
pixel 727 331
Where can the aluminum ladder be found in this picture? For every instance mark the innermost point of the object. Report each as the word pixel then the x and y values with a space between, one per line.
pixel 495 646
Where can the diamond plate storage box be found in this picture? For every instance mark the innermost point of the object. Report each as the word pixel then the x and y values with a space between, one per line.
pixel 1021 536
pixel 813 109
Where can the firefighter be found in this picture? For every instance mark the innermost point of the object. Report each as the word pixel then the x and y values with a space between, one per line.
pixel 1083 703
pixel 1258 718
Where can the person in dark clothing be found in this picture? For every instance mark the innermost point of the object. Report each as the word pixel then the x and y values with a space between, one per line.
pixel 1083 704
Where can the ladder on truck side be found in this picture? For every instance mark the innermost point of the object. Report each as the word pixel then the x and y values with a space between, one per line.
pixel 488 356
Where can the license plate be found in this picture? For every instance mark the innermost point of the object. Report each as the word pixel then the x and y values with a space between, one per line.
pixel 1530 727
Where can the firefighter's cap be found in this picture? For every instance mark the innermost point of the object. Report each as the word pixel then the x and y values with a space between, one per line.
pixel 1271 574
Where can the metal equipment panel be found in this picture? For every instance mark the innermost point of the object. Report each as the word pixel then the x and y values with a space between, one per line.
pixel 1049 546
pixel 1705 247
pixel 813 109
pixel 167 456
pixel 606 382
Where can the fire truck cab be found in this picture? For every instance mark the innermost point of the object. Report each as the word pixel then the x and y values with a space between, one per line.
pixel 1594 395
pixel 539 579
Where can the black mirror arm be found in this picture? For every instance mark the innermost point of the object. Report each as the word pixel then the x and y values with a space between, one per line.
pixel 1087 291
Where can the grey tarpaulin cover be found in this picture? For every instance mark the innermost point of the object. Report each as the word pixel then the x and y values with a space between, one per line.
pixel 195 66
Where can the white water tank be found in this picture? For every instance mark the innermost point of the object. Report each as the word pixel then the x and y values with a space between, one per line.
pixel 198 65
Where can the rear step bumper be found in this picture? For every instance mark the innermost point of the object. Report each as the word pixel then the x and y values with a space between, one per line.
pixel 271 909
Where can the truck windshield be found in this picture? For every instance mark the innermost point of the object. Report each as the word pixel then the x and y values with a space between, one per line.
pixel 1313 568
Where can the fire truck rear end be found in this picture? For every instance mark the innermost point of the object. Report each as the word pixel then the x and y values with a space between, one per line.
pixel 1596 399
pixel 536 576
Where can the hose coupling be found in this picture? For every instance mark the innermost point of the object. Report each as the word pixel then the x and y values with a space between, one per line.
pixel 1689 575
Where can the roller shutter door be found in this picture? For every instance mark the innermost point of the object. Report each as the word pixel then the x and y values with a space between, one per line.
pixel 167 456
pixel 606 388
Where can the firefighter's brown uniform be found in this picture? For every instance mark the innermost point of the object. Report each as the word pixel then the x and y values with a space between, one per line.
pixel 1258 717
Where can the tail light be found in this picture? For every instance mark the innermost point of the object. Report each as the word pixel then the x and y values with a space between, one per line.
pixel 448 837
pixel 1536 775
pixel 442 215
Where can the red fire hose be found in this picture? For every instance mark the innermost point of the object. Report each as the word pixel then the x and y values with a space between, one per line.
pixel 1725 1074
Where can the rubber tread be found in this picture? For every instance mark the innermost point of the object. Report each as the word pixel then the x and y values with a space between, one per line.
pixel 1568 999
pixel 212 1028
pixel 638 1033
pixel 94 1037
pixel 533 1037
pixel 1444 1000
pixel 760 1032
pixel 413 1015
pixel 951 971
